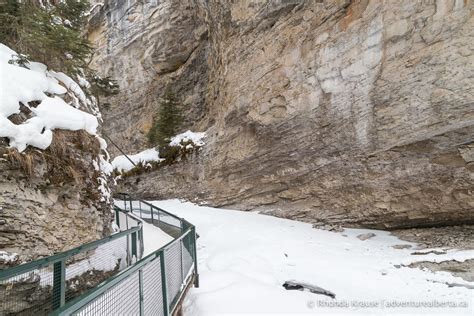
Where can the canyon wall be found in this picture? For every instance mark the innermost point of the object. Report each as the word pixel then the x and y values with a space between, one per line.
pixel 358 113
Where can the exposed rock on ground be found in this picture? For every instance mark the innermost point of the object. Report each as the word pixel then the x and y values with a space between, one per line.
pixel 458 237
pixel 455 237
pixel 365 236
pixel 358 113
pixel 463 270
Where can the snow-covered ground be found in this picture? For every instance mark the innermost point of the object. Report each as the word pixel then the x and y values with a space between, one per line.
pixel 244 258
pixel 153 238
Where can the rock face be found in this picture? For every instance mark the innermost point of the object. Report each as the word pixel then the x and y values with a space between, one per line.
pixel 146 46
pixel 50 200
pixel 350 112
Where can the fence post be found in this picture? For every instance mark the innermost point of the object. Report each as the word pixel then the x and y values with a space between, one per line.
pixel 140 206
pixel 140 287
pixel 117 218
pixel 134 245
pixel 59 283
pixel 163 283
pixel 182 264
pixel 129 257
pixel 142 246
pixel 151 211
pixel 194 241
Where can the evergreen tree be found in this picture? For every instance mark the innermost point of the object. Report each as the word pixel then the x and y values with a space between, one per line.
pixel 49 34
pixel 52 34
pixel 168 121
pixel 102 86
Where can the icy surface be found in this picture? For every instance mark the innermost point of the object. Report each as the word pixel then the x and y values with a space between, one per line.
pixel 121 163
pixel 19 84
pixel 244 258
pixel 196 138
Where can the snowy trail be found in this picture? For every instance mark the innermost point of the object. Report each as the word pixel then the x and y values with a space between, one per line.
pixel 153 238
pixel 244 258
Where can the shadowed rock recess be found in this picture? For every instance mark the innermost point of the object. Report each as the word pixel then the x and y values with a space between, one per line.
pixel 345 112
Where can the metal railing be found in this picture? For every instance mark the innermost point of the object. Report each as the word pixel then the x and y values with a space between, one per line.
pixel 44 285
pixel 153 285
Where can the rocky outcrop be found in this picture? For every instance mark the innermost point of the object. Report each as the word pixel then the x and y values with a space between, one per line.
pixel 350 112
pixel 50 200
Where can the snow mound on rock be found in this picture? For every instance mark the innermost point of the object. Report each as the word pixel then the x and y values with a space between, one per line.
pixel 121 163
pixel 20 85
pixel 196 138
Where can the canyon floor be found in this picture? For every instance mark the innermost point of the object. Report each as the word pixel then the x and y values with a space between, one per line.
pixel 245 257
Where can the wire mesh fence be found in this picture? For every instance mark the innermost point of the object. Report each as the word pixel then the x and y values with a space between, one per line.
pixel 27 293
pixel 44 285
pixel 120 299
pixel 152 289
pixel 174 271
pixel 84 271
pixel 155 284
pixel 108 277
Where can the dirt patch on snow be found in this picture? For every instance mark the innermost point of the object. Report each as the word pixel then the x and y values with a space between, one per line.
pixel 452 237
pixel 464 269
pixel 456 237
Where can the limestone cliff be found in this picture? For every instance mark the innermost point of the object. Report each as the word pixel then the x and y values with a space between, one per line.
pixel 354 112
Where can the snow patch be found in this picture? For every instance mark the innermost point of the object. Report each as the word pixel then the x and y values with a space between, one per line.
pixel 121 163
pixel 71 85
pixel 6 257
pixel 23 85
pixel 55 113
pixel 196 138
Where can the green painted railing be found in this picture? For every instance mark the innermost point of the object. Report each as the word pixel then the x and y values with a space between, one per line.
pixel 135 286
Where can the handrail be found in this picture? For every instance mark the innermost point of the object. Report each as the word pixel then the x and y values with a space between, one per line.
pixel 153 206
